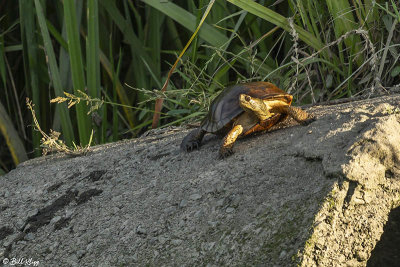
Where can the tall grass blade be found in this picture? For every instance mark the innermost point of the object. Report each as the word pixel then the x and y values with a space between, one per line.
pixel 118 87
pixel 138 52
pixel 29 43
pixel 159 101
pixel 140 77
pixel 55 75
pixel 279 20
pixel 155 35
pixel 343 21
pixel 198 12
pixel 173 31
pixel 137 46
pixel 14 143
pixel 2 62
pixel 188 20
pixel 78 78
pixel 92 53
pixel 115 110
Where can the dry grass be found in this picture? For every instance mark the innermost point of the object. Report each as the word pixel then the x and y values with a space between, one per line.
pixel 51 143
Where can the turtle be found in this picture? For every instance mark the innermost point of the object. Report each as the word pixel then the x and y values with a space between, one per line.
pixel 243 109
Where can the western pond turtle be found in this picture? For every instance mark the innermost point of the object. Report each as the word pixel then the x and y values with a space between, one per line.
pixel 243 109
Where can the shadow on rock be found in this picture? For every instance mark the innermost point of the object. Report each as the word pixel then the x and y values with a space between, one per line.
pixel 387 250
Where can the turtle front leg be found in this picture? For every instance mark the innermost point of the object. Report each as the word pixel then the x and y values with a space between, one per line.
pixel 192 141
pixel 227 146
pixel 300 115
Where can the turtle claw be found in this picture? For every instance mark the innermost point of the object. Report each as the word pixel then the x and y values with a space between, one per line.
pixel 192 141
pixel 190 146
pixel 225 152
pixel 194 146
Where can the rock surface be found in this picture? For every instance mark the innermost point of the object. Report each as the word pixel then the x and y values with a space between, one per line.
pixel 319 195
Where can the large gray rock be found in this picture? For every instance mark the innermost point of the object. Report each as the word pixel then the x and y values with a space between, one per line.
pixel 317 195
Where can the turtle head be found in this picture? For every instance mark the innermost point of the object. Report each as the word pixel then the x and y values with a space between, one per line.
pixel 254 105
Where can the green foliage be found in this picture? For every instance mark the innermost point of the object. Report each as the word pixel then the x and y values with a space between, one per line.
pixel 14 143
pixel 77 73
pixel 55 74
pixel 30 44
pixel 118 54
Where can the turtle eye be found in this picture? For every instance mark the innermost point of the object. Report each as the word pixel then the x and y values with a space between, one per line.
pixel 247 98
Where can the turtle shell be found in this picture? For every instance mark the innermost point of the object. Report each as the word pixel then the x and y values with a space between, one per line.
pixel 225 107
